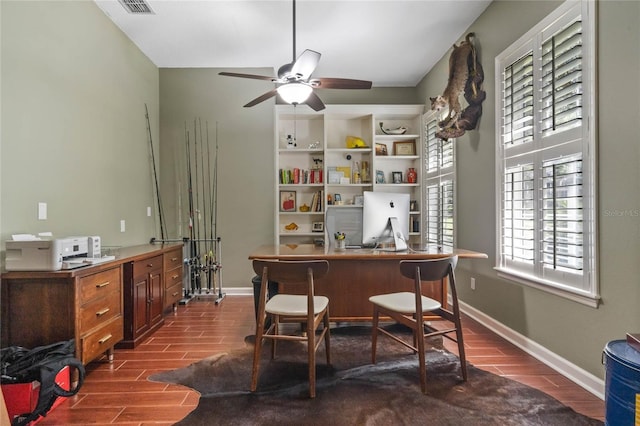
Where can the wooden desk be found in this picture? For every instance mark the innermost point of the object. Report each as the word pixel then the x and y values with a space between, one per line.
pixel 356 274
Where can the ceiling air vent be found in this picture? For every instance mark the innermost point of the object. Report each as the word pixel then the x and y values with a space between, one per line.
pixel 137 6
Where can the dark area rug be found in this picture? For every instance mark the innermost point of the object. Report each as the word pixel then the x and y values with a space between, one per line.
pixel 355 392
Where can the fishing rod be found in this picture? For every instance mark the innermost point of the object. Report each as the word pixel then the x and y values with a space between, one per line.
pixel 218 249
pixel 204 213
pixel 155 174
pixel 210 258
pixel 197 211
pixel 193 273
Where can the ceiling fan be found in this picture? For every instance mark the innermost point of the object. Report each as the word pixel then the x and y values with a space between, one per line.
pixel 294 83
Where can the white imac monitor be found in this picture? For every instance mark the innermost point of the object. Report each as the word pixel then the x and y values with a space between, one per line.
pixel 385 219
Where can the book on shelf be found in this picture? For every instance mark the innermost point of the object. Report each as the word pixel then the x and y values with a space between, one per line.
pixel 316 175
pixel 297 176
pixel 317 201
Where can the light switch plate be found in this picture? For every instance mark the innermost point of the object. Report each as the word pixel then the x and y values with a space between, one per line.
pixel 42 211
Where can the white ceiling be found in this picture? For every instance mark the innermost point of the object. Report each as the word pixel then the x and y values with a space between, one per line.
pixel 391 43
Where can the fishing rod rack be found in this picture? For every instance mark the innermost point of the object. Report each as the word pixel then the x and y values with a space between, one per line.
pixel 202 275
pixel 202 271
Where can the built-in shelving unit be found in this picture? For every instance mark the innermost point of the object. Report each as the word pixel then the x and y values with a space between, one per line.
pixel 317 171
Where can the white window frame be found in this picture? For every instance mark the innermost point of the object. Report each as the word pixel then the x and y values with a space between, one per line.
pixel 584 287
pixel 437 173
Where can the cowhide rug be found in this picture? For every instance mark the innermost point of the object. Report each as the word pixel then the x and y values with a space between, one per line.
pixel 355 392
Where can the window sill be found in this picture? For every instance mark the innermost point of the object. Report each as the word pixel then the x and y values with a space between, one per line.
pixel 548 287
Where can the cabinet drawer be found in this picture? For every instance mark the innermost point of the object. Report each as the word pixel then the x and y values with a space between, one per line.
pixel 143 267
pixel 102 339
pixel 96 285
pixel 173 294
pixel 173 277
pixel 100 311
pixel 173 259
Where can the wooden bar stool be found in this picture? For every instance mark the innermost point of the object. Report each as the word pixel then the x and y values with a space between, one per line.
pixel 408 308
pixel 307 307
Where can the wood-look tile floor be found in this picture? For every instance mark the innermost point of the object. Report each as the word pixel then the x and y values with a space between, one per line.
pixel 120 394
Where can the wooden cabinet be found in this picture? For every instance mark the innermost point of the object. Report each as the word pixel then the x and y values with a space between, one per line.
pixel 322 161
pixel 97 305
pixel 172 271
pixel 39 308
pixel 143 307
pixel 101 321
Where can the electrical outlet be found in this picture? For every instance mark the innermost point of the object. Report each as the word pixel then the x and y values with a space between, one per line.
pixel 149 211
pixel 473 283
pixel 122 226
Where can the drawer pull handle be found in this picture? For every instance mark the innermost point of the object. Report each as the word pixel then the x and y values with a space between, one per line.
pixel 175 294
pixel 175 276
pixel 102 312
pixel 104 339
pixel 173 259
pixel 149 265
pixel 104 284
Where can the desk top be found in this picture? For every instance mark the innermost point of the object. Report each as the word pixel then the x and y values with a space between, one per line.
pixel 311 252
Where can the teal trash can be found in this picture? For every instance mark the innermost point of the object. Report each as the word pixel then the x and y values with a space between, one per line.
pixel 622 384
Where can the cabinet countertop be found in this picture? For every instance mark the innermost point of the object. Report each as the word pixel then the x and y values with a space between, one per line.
pixel 122 255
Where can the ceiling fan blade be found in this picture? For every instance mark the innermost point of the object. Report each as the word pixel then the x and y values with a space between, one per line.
pixel 305 64
pixel 262 98
pixel 255 77
pixel 315 102
pixel 340 83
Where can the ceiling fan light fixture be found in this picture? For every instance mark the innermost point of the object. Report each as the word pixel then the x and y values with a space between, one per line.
pixel 294 93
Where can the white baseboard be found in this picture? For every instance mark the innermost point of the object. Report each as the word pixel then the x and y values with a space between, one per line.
pixel 581 377
pixel 238 291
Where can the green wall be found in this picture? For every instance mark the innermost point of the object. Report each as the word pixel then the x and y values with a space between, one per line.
pixel 571 330
pixel 74 133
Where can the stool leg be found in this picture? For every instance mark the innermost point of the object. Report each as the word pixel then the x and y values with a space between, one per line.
pixel 311 348
pixel 374 334
pixel 327 337
pixel 276 330
pixel 256 352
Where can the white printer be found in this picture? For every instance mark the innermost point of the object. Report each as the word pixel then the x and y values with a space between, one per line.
pixel 50 254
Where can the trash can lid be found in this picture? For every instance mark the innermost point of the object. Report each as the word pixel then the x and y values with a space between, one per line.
pixel 623 352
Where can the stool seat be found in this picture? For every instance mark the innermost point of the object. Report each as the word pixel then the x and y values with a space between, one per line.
pixel 404 302
pixel 292 304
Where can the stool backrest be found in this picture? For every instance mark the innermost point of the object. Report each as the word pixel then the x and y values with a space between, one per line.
pixel 429 270
pixel 291 271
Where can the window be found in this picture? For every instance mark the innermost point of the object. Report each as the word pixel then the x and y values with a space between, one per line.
pixel 439 184
pixel 545 166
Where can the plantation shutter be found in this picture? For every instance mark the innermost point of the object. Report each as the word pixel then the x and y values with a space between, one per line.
pixel 518 101
pixel 519 214
pixel 546 156
pixel 562 80
pixel 439 187
pixel 562 216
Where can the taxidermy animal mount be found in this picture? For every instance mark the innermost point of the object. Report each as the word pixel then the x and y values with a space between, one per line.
pixel 465 76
